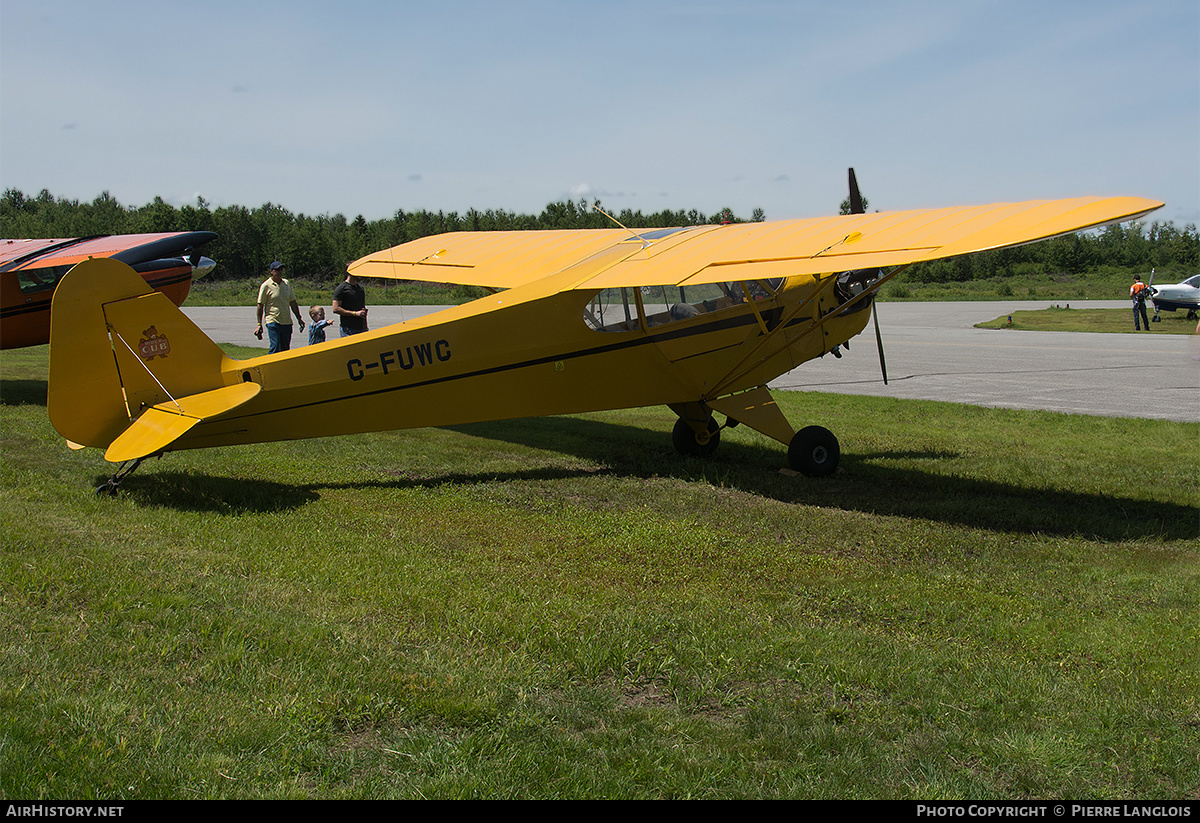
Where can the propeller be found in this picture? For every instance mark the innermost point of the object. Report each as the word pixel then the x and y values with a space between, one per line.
pixel 856 207
pixel 856 203
pixel 878 338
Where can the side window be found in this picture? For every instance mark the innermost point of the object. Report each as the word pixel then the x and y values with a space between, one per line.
pixel 668 304
pixel 33 281
pixel 612 310
pixel 617 310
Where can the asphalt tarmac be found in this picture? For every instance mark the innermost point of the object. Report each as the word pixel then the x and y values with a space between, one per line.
pixel 933 352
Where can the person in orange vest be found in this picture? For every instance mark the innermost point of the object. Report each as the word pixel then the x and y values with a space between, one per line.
pixel 1138 292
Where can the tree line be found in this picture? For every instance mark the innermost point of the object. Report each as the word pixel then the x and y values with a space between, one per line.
pixel 320 247
pixel 1129 247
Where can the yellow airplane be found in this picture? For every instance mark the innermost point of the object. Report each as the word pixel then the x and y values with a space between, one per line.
pixel 697 318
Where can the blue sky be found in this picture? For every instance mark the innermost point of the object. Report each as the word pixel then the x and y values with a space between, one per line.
pixel 359 107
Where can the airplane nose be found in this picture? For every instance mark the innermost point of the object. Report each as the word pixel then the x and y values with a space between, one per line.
pixel 203 266
pixel 853 283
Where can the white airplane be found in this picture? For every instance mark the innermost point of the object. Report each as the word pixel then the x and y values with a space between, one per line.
pixel 1185 296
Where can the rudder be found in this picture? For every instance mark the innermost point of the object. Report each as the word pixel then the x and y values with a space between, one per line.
pixel 118 349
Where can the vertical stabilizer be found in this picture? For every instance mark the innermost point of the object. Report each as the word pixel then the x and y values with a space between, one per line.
pixel 117 349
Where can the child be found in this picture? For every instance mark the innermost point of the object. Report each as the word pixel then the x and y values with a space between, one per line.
pixel 316 332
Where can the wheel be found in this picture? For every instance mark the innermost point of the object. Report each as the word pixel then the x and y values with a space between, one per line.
pixel 687 442
pixel 814 451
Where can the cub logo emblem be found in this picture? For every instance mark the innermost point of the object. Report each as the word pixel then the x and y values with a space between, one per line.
pixel 152 344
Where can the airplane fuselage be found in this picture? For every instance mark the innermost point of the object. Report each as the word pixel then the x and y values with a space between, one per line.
pixel 1183 296
pixel 503 356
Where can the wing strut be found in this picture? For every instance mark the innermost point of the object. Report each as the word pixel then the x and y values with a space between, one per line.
pixel 756 354
pixel 856 207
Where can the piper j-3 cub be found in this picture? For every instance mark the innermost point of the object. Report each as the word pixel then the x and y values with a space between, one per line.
pixel 698 319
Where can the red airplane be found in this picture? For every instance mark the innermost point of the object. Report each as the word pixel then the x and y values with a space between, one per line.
pixel 30 271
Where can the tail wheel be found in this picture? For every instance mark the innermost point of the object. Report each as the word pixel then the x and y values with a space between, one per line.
pixel 814 451
pixel 688 441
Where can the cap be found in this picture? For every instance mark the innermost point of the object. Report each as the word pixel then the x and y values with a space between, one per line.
pixel 276 265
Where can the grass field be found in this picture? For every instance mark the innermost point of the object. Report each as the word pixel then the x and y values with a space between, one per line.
pixel 1064 318
pixel 981 604
pixel 1104 284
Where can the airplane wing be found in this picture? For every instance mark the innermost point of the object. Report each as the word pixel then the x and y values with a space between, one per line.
pixel 742 251
pixel 497 259
pixel 131 249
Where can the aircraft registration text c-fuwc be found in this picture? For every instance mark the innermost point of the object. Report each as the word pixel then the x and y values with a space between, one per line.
pixel 422 354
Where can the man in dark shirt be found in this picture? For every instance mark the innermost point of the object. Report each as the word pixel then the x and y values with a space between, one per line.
pixel 350 304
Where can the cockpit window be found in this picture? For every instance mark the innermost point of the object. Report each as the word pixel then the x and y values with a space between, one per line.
pixel 612 310
pixel 33 281
pixel 626 309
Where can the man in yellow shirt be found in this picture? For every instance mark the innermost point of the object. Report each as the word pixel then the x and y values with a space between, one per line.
pixel 275 298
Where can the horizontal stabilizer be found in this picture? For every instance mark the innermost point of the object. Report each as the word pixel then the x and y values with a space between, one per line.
pixel 161 425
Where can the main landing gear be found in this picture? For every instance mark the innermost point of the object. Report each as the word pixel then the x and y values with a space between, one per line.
pixel 812 451
pixel 691 443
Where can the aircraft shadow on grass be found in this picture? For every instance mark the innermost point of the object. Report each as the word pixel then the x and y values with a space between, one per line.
pixel 22 392
pixel 867 483
pixel 186 491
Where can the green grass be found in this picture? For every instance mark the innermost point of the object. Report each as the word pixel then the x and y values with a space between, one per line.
pixel 1064 318
pixel 982 604
pixel 1104 284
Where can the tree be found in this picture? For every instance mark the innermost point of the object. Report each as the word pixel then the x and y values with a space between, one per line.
pixel 845 206
pixel 155 217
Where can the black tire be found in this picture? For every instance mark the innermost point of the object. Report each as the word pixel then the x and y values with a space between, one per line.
pixel 687 443
pixel 814 452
